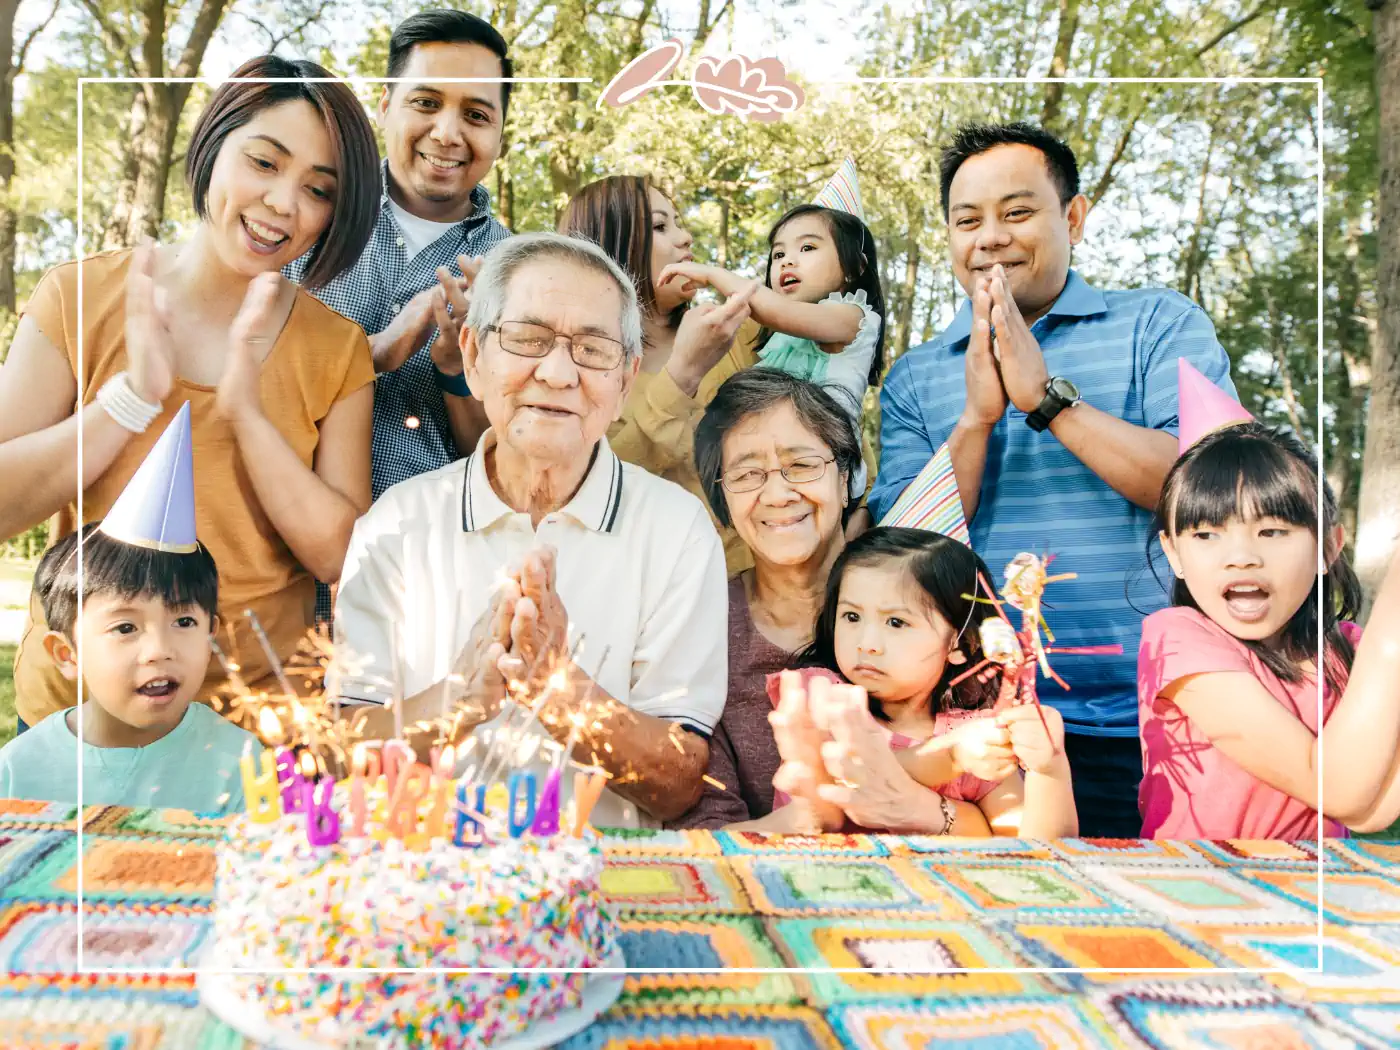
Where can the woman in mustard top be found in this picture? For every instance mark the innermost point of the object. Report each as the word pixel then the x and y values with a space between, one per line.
pixel 688 351
pixel 279 386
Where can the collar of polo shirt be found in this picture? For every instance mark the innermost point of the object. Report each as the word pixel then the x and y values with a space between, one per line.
pixel 1077 299
pixel 594 506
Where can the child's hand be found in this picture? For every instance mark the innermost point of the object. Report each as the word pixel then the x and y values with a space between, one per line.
pixel 693 273
pixel 1033 748
pixel 800 740
pixel 982 748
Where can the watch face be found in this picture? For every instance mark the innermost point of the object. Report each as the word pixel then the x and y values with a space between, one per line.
pixel 1063 389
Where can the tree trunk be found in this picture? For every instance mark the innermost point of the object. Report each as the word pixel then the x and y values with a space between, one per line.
pixel 910 288
pixel 1059 61
pixel 723 260
pixel 155 119
pixel 505 195
pixel 8 220
pixel 1191 275
pixel 1379 517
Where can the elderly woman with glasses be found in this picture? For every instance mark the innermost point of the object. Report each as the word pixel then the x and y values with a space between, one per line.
pixel 776 455
pixel 542 567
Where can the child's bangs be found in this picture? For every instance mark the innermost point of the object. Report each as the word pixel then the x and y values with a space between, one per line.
pixel 1245 479
pixel 180 581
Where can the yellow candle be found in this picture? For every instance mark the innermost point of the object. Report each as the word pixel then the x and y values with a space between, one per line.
pixel 587 790
pixel 261 794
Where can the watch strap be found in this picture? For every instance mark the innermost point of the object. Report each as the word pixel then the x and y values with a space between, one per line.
pixel 449 384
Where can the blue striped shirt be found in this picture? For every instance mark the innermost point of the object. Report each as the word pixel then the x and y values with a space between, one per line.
pixel 1120 348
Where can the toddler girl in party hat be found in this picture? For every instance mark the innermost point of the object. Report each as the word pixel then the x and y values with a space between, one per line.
pixel 149 594
pixel 822 308
pixel 1229 676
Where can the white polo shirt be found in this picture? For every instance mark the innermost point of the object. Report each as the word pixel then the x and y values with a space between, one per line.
pixel 640 570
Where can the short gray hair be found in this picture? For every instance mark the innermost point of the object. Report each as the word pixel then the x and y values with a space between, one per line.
pixel 501 263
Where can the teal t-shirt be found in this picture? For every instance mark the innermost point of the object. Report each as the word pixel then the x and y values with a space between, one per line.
pixel 194 766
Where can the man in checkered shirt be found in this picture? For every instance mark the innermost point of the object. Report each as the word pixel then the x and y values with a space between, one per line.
pixel 409 289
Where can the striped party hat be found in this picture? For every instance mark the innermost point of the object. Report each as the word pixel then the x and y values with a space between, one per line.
pixel 842 191
pixel 931 502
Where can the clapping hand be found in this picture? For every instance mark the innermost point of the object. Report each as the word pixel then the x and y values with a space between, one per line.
pixel 250 339
pixel 450 302
pixel 150 347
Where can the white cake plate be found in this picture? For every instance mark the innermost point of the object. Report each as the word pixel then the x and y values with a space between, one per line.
pixel 250 1020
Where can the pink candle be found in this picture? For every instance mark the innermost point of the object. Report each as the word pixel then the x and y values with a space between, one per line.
pixel 413 784
pixel 397 755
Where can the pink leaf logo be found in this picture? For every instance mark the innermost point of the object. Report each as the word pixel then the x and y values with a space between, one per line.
pixel 747 88
pixel 648 70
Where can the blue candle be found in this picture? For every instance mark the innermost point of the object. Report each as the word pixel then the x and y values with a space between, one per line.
pixel 465 821
pixel 519 826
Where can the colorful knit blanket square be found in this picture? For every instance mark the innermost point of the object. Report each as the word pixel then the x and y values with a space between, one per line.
pixel 1184 1016
pixel 831 886
pixel 723 944
pixel 756 843
pixel 1009 1023
pixel 733 1028
pixel 932 959
pixel 1355 965
pixel 1193 895
pixel 1112 949
pixel 1023 888
pixel 672 884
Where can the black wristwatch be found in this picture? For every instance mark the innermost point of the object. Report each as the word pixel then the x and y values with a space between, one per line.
pixel 1060 394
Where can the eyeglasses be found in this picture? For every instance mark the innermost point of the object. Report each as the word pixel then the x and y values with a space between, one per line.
pixel 798 472
pixel 524 339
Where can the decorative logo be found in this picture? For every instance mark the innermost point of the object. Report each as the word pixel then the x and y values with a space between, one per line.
pixel 758 89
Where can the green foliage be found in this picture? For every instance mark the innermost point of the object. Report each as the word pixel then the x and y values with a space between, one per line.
pixel 1205 188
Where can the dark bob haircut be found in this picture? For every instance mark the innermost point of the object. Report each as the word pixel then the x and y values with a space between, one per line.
pixel 615 214
pixel 973 139
pixel 110 567
pixel 356 203
pixel 443 26
pixel 752 392
pixel 860 267
pixel 1251 471
pixel 945 572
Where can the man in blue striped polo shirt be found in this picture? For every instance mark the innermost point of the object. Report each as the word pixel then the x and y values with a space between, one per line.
pixel 1058 401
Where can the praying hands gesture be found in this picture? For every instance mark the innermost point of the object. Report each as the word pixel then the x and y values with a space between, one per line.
pixel 1022 364
pixel 538 628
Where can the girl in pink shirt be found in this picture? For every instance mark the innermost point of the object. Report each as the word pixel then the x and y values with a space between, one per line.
pixel 899 749
pixel 1227 678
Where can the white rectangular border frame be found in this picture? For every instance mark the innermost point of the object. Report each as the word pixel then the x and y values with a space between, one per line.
pixel 80 251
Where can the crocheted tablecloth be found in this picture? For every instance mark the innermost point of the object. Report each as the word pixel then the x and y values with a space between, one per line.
pixel 998 944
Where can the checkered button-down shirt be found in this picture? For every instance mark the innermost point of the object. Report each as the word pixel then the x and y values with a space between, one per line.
pixel 370 293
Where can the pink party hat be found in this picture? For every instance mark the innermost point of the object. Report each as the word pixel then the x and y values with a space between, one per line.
pixel 842 191
pixel 156 509
pixel 1202 407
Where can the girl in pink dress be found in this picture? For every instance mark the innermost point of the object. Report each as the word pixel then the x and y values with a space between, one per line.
pixel 899 748
pixel 1229 692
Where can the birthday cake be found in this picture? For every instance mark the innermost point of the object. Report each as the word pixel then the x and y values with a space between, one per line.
pixel 376 901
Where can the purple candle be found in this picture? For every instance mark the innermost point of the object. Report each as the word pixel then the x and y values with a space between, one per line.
pixel 290 779
pixel 547 815
pixel 322 821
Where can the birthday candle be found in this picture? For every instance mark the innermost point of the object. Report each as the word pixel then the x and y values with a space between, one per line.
pixel 412 785
pixel 397 755
pixel 359 762
pixel 547 815
pixel 464 819
pixel 587 789
pixel 518 826
pixel 260 792
pixel 441 791
pixel 322 821
pixel 290 780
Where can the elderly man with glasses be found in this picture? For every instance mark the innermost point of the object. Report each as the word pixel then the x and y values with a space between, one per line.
pixel 542 573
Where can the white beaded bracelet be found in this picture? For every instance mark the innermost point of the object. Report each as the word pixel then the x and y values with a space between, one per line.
pixel 121 401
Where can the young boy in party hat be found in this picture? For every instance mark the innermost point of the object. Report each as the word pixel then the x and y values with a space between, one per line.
pixel 148 600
